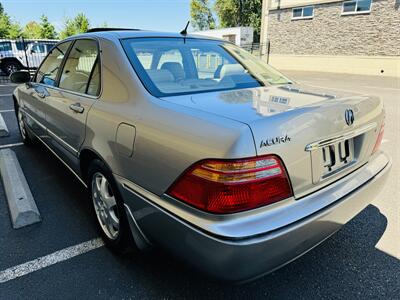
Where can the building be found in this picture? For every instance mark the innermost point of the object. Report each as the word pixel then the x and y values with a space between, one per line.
pixel 241 36
pixel 356 36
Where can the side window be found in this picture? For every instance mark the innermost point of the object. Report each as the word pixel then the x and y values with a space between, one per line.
pixel 20 46
pixel 38 48
pixel 47 72
pixel 5 46
pixel 78 68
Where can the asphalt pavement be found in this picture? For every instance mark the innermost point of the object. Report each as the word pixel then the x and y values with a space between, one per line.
pixel 360 261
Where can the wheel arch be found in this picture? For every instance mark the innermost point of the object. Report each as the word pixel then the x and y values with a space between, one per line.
pixel 10 59
pixel 86 156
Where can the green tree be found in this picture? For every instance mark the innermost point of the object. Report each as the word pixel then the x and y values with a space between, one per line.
pixel 79 24
pixel 69 29
pixel 47 30
pixel 233 13
pixel 14 30
pixel 82 23
pixel 4 26
pixel 8 28
pixel 32 30
pixel 201 15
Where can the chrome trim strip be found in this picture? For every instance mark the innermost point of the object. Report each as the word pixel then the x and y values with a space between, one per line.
pixel 333 140
pixel 34 119
pixel 63 142
pixel 51 150
pixel 76 152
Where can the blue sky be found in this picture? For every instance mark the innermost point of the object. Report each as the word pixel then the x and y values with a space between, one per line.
pixel 163 15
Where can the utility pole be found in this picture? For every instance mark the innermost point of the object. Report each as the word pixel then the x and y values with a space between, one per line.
pixel 264 27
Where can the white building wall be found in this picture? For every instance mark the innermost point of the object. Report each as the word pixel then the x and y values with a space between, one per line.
pixel 242 35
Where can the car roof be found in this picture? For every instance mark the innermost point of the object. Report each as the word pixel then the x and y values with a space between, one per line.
pixel 124 34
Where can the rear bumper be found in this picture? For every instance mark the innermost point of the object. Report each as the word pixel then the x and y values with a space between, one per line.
pixel 247 257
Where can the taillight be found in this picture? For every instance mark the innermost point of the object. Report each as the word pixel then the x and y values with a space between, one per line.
pixel 228 186
pixel 379 139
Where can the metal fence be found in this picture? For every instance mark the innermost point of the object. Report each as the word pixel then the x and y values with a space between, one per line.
pixel 258 49
pixel 22 54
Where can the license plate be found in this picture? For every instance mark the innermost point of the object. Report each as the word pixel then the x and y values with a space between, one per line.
pixel 338 155
pixel 331 159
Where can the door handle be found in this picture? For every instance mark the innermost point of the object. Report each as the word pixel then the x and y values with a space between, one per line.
pixel 77 107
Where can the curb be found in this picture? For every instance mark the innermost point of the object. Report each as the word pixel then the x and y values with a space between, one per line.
pixel 22 206
pixel 3 127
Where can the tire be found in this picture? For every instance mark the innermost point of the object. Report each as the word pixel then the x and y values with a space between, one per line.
pixel 27 138
pixel 109 213
pixel 11 66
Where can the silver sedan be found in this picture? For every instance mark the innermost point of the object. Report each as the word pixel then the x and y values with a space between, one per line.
pixel 195 145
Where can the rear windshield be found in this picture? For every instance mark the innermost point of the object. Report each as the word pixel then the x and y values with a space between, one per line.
pixel 177 66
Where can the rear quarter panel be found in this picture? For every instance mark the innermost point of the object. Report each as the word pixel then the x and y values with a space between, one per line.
pixel 169 137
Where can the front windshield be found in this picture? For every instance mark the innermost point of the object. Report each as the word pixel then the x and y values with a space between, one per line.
pixel 176 66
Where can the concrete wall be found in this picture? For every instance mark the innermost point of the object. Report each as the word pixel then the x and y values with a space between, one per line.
pixel 364 65
pixel 362 43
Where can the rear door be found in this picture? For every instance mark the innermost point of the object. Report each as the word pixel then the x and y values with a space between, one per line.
pixel 68 105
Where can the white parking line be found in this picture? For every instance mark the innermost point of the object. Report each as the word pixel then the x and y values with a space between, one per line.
pixel 11 145
pixel 48 260
pixel 6 110
pixel 5 95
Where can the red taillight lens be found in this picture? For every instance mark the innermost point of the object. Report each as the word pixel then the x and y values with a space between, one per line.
pixel 227 186
pixel 379 139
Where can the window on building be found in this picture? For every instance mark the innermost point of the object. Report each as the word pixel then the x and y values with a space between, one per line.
pixel 306 12
pixel 356 7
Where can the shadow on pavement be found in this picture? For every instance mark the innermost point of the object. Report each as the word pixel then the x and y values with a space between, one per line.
pixel 346 265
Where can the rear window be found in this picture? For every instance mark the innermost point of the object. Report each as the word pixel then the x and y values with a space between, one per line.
pixel 176 66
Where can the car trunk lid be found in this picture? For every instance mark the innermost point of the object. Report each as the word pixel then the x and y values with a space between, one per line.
pixel 303 125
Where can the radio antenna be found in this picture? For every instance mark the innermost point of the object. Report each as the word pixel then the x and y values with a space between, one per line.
pixel 184 31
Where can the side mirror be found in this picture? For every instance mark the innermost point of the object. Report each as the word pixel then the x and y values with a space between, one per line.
pixel 20 77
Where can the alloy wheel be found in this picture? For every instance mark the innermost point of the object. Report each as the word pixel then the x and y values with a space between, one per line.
pixel 105 206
